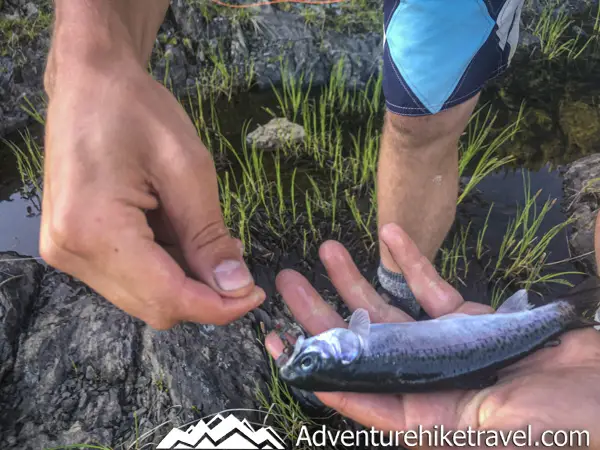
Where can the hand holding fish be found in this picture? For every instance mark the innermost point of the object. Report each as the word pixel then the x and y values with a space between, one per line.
pixel 552 388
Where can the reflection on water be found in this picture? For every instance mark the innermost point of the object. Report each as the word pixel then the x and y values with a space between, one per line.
pixel 19 219
pixel 19 229
pixel 506 191
pixel 562 117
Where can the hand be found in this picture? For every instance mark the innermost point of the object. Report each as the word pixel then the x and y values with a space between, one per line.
pixel 555 388
pixel 125 170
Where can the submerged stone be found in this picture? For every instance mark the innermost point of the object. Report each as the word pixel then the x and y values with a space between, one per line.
pixel 277 134
pixel 581 124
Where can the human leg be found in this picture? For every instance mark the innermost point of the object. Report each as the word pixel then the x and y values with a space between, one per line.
pixel 438 55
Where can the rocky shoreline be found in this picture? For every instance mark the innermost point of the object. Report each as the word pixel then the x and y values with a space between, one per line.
pixel 74 368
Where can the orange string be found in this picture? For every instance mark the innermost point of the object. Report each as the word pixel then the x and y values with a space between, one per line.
pixel 271 2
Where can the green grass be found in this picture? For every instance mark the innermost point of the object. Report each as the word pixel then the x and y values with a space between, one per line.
pixel 523 257
pixel 262 192
pixel 523 252
pixel 15 33
pixel 350 16
pixel 30 160
pixel 32 111
pixel 451 268
pixel 554 30
pixel 479 143
pixel 281 405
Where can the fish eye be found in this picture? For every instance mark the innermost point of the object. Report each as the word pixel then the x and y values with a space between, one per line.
pixel 307 362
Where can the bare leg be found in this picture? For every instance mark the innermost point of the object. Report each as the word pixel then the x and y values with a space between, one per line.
pixel 418 180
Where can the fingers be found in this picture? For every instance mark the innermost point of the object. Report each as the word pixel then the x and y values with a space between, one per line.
pixel 137 275
pixel 306 304
pixel 474 309
pixel 435 295
pixel 384 412
pixel 189 194
pixel 356 291
pixel 316 316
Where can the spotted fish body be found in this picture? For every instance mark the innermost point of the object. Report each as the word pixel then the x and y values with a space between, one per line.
pixel 456 351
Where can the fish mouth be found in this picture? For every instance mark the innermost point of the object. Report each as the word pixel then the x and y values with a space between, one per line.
pixel 286 371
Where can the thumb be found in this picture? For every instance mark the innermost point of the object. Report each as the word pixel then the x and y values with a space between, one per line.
pixel 190 197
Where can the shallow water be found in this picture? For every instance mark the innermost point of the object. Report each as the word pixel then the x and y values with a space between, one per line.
pixel 19 221
pixel 541 146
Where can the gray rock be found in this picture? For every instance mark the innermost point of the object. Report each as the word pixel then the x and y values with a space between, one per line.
pixel 19 280
pixel 276 134
pixel 30 10
pixel 581 187
pixel 22 62
pixel 528 40
pixel 90 373
pixel 76 367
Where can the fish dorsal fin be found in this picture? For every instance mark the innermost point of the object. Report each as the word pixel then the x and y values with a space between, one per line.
pixel 360 323
pixel 517 302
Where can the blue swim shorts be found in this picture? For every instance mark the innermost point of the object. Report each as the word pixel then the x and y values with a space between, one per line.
pixel 440 53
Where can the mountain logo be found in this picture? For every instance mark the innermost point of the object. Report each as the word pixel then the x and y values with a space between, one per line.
pixel 223 433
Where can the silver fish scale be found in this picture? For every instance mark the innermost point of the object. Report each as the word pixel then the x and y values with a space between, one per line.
pixel 417 350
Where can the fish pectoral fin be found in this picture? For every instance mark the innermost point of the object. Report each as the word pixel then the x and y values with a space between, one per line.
pixel 477 381
pixel 517 302
pixel 360 323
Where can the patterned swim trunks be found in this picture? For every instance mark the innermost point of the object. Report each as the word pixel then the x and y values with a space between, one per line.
pixel 440 53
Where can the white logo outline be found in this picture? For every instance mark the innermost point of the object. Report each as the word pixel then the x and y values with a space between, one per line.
pixel 223 433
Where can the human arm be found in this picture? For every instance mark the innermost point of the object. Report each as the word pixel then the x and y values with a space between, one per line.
pixel 124 170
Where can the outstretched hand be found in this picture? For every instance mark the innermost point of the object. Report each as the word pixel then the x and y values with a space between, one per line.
pixel 555 388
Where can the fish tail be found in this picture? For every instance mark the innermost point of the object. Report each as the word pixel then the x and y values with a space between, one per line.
pixel 582 303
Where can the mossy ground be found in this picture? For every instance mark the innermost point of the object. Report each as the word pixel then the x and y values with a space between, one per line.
pixel 18 32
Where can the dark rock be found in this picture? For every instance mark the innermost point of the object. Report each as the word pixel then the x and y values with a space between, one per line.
pixel 19 281
pixel 30 10
pixel 22 60
pixel 90 373
pixel 581 202
pixel 75 366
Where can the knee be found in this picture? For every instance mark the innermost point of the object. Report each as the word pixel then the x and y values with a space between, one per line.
pixel 422 132
pixel 412 132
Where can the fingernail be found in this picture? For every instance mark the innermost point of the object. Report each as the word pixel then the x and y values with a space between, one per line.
pixel 231 275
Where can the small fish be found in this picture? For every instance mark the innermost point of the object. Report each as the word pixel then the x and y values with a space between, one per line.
pixel 457 351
